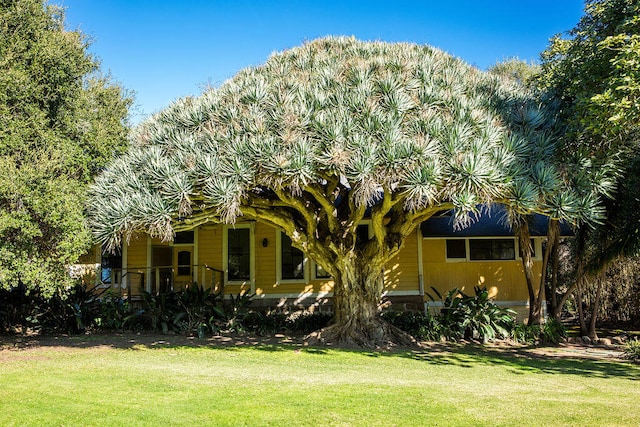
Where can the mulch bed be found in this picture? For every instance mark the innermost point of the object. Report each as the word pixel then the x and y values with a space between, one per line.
pixel 155 340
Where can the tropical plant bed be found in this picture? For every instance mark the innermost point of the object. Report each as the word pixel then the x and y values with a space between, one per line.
pixel 147 379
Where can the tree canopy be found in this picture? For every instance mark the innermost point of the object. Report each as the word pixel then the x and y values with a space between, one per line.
pixel 328 133
pixel 593 73
pixel 360 119
pixel 60 121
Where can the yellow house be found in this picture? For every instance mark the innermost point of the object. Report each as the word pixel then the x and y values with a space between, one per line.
pixel 256 258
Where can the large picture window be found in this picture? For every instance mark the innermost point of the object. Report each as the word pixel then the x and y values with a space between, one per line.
pixel 239 254
pixel 291 260
pixel 492 249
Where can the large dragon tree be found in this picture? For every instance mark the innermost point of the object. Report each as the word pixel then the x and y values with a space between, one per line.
pixel 324 135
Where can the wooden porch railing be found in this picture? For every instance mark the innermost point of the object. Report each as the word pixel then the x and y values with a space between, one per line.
pixel 133 281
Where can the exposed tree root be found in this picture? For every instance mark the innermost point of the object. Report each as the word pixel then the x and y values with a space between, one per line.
pixel 376 334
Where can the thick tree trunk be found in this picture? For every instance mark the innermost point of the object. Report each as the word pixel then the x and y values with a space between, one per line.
pixel 583 324
pixel 595 306
pixel 563 300
pixel 535 300
pixel 552 254
pixel 357 294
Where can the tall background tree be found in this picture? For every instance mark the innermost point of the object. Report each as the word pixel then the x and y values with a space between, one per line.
pixel 593 72
pixel 60 122
pixel 324 135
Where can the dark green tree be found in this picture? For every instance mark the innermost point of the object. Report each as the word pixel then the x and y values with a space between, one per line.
pixel 593 73
pixel 60 122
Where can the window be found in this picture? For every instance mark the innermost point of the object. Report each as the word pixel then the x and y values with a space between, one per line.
pixel 109 263
pixel 239 254
pixel 456 248
pixel 291 259
pixel 184 263
pixel 533 249
pixel 183 237
pixel 491 249
pixel 321 273
pixel 362 234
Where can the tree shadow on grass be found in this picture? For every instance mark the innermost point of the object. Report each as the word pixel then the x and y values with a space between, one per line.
pixel 522 360
pixel 574 360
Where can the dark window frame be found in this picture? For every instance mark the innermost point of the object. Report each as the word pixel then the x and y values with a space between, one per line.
pixel 324 275
pixel 237 252
pixel 453 252
pixel 184 238
pixel 109 262
pixel 492 249
pixel 291 258
pixel 184 265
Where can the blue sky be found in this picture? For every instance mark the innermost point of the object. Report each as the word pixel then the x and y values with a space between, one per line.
pixel 163 50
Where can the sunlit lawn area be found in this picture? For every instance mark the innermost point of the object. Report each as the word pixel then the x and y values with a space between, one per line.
pixel 81 381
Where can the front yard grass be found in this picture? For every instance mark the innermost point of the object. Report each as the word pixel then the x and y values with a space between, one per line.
pixel 83 381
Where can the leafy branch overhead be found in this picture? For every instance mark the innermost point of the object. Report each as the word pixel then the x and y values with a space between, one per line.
pixel 322 134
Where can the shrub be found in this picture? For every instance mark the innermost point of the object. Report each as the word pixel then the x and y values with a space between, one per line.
pixel 192 311
pixel 550 332
pixel 475 317
pixel 306 322
pixel 114 312
pixel 70 310
pixel 266 323
pixel 525 334
pixel 632 350
pixel 229 315
pixel 421 326
pixel 279 321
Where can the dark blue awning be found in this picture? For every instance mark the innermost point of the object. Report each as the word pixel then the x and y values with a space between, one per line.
pixel 489 223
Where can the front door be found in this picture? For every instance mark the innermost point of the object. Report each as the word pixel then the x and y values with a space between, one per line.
pixel 161 269
pixel 183 266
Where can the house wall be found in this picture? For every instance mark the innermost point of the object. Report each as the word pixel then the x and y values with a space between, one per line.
pixel 504 279
pixel 402 273
pixel 136 263
pixel 210 255
pixel 266 263
pixel 427 257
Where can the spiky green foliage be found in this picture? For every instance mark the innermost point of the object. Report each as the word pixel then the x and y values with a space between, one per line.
pixel 514 68
pixel 326 133
pixel 60 121
pixel 319 133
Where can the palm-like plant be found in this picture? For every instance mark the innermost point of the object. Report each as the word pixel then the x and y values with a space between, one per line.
pixel 324 134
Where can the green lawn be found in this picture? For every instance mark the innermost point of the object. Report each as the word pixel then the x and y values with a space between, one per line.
pixel 80 381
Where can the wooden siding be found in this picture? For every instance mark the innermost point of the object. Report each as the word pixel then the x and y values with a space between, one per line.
pixel 136 263
pixel 402 272
pixel 137 252
pixel 265 260
pixel 210 254
pixel 504 279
